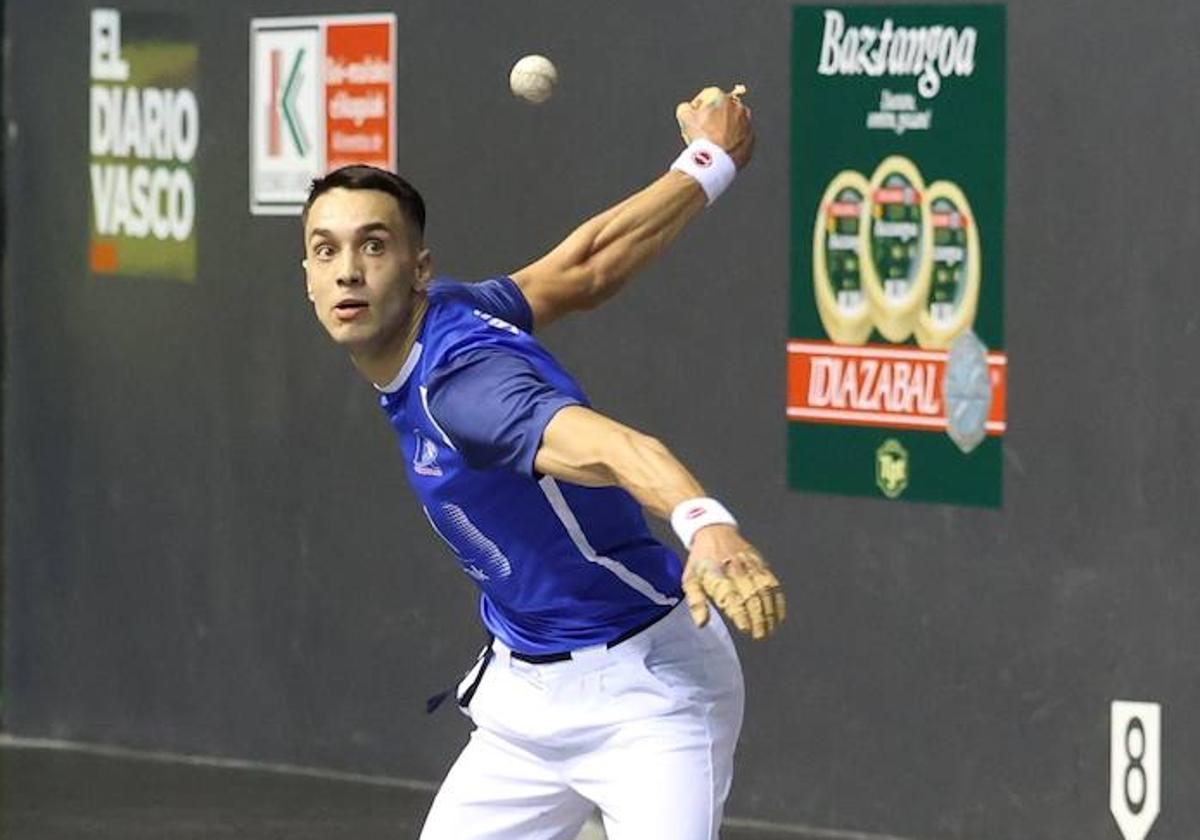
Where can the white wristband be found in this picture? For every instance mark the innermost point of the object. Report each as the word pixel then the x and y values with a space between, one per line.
pixel 709 164
pixel 692 515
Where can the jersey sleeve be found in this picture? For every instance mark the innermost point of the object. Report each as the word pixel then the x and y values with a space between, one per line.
pixel 494 407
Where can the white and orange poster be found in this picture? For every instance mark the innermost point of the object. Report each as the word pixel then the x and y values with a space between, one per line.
pixel 322 95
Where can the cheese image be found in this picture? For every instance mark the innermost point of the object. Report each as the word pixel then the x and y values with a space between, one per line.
pixel 897 244
pixel 837 256
pixel 953 295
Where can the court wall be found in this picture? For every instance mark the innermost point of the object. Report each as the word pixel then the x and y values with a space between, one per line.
pixel 210 548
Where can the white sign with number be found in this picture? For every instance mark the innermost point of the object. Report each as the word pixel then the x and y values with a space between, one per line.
pixel 1136 781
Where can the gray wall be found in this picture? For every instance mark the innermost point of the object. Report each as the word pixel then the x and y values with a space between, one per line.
pixel 209 546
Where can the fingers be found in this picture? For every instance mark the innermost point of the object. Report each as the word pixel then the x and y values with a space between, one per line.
pixel 713 97
pixel 721 117
pixel 736 578
pixel 697 601
pixel 725 594
pixel 780 602
pixel 767 589
pixel 740 572
pixel 770 591
pixel 754 589
pixel 756 594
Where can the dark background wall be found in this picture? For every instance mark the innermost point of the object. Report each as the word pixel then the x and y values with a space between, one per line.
pixel 210 549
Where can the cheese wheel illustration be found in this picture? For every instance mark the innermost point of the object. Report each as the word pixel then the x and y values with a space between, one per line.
pixel 896 248
pixel 837 259
pixel 954 277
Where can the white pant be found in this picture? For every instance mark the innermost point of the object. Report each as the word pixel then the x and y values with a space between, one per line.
pixel 645 731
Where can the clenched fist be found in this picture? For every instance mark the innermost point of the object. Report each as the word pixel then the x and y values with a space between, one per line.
pixel 720 117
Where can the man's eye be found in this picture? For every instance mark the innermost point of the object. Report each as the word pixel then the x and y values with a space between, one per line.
pixel 323 251
pixel 374 247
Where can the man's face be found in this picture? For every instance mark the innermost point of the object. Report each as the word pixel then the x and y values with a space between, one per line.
pixel 362 262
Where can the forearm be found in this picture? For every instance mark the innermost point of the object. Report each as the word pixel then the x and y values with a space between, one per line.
pixel 596 260
pixel 615 245
pixel 653 476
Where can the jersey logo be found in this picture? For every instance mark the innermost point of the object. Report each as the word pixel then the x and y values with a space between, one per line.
pixel 493 321
pixel 475 572
pixel 425 456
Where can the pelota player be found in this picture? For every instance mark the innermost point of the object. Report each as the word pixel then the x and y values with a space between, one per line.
pixel 598 688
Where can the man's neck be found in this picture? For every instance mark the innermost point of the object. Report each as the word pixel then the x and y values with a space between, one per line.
pixel 383 367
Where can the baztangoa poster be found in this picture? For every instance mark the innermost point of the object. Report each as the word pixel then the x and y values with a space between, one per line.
pixel 897 372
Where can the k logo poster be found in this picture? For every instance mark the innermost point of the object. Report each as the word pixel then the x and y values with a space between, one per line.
pixel 322 95
pixel 897 373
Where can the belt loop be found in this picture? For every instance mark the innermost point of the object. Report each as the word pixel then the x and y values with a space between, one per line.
pixel 589 654
pixel 468 695
pixel 502 653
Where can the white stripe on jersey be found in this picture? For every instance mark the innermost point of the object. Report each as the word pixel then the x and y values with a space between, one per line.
pixel 429 414
pixel 567 517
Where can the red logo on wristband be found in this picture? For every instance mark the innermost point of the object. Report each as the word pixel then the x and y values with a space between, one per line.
pixel 702 158
pixel 694 512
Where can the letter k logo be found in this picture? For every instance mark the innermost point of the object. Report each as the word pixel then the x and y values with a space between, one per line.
pixel 281 110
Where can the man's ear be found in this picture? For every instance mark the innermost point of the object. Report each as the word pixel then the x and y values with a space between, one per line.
pixel 424 270
pixel 307 281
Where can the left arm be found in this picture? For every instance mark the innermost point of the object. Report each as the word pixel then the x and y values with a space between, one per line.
pixel 500 414
pixel 594 262
pixel 584 447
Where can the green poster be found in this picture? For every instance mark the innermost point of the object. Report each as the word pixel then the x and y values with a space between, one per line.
pixel 897 374
pixel 143 135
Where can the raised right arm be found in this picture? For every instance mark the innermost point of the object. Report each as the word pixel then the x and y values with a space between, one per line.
pixel 596 260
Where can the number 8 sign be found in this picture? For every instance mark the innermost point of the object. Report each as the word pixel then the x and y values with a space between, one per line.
pixel 1135 784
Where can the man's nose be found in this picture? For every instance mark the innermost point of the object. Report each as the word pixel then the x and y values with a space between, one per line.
pixel 350 271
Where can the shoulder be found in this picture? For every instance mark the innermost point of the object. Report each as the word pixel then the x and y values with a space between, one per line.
pixel 494 404
pixel 498 297
pixel 463 318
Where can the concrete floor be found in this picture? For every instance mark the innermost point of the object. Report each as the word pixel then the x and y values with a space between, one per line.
pixel 72 794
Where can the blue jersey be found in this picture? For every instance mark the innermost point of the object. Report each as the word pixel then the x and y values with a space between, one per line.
pixel 560 566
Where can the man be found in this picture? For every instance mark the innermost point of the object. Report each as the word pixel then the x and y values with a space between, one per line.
pixel 595 688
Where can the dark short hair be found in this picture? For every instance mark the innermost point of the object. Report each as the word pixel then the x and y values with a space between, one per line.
pixel 363 177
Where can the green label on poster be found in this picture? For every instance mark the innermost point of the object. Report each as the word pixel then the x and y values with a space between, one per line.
pixel 897 374
pixel 143 134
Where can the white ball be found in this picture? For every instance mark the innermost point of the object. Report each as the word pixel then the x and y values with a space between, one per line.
pixel 532 78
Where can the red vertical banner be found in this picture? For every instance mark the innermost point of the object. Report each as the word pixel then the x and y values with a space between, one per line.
pixel 360 94
pixel 273 145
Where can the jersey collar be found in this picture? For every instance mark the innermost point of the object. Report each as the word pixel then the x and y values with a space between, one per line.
pixel 416 322
pixel 406 370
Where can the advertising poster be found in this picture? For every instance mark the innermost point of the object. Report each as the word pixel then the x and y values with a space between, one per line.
pixel 897 373
pixel 143 134
pixel 322 95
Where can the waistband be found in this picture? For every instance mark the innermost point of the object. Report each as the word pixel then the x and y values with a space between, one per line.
pixel 583 653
